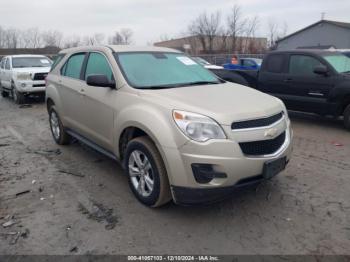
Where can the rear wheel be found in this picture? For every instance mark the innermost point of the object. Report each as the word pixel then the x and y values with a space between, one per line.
pixel 59 134
pixel 347 117
pixel 146 172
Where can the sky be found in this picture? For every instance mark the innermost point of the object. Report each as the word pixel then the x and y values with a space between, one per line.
pixel 149 19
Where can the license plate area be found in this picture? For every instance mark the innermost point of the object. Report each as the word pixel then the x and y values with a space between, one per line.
pixel 272 168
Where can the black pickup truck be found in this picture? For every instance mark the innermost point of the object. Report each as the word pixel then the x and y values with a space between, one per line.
pixel 314 81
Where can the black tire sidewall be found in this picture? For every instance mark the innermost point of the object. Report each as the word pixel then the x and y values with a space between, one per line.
pixel 4 93
pixel 153 198
pixel 20 97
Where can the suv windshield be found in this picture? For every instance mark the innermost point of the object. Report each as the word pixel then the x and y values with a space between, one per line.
pixel 162 70
pixel 340 63
pixel 19 62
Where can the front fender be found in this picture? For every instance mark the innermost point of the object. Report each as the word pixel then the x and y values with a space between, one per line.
pixel 157 123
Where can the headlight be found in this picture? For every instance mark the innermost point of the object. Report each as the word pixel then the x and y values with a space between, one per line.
pixel 198 127
pixel 24 76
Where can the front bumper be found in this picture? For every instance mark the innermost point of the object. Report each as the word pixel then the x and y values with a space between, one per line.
pixel 193 196
pixel 30 86
pixel 226 157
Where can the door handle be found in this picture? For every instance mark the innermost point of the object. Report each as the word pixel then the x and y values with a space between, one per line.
pixel 288 80
pixel 315 93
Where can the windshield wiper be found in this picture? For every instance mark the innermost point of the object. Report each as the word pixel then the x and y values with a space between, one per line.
pixel 201 83
pixel 180 85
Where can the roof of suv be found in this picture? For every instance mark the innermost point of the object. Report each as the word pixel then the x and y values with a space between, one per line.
pixel 121 48
pixel 307 51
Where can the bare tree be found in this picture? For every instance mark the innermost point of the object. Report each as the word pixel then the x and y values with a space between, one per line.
pixel 272 31
pixel 2 37
pixel 52 38
pixel 99 38
pixel 11 38
pixel 249 35
pixel 72 41
pixel 31 38
pixel 235 25
pixel 284 30
pixel 122 37
pixel 206 28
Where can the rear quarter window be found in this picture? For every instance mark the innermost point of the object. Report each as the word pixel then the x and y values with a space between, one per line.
pixel 56 60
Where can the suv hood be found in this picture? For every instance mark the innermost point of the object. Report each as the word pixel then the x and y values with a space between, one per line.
pixel 224 103
pixel 32 69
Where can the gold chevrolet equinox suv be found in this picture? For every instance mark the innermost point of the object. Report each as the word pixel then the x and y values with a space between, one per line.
pixel 179 131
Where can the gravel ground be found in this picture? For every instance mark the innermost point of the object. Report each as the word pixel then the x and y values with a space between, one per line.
pixel 73 200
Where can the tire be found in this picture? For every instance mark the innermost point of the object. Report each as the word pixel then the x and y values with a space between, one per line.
pixel 18 97
pixel 346 115
pixel 4 93
pixel 58 132
pixel 150 194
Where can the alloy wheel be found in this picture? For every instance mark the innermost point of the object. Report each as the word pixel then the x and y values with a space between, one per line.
pixel 55 126
pixel 141 173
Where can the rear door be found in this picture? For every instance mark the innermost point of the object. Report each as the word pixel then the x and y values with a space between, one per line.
pixel 99 102
pixel 272 75
pixel 307 91
pixel 72 92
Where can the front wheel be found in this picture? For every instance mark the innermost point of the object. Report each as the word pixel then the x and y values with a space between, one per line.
pixel 18 97
pixel 146 172
pixel 4 93
pixel 58 132
pixel 347 117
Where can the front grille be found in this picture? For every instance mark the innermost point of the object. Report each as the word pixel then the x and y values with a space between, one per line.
pixel 257 122
pixel 264 147
pixel 40 76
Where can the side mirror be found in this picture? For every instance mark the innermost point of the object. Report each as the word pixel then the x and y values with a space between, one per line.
pixel 321 70
pixel 99 80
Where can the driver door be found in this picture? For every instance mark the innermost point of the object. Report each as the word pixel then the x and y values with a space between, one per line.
pixel 307 91
pixel 99 103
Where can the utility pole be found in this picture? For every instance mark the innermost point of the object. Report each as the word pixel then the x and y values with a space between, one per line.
pixel 323 15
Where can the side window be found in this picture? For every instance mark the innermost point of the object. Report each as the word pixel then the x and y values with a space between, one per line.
pixel 72 67
pixel 275 63
pixel 56 60
pixel 98 65
pixel 302 65
pixel 248 63
pixel 7 65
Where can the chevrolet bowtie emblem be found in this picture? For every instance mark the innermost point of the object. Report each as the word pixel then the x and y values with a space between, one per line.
pixel 271 132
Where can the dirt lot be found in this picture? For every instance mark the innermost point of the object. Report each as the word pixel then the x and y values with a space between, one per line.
pixel 79 201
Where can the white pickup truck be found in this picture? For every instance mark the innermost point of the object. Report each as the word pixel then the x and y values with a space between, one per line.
pixel 22 75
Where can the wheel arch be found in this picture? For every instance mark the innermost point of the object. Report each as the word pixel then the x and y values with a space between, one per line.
pixel 345 103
